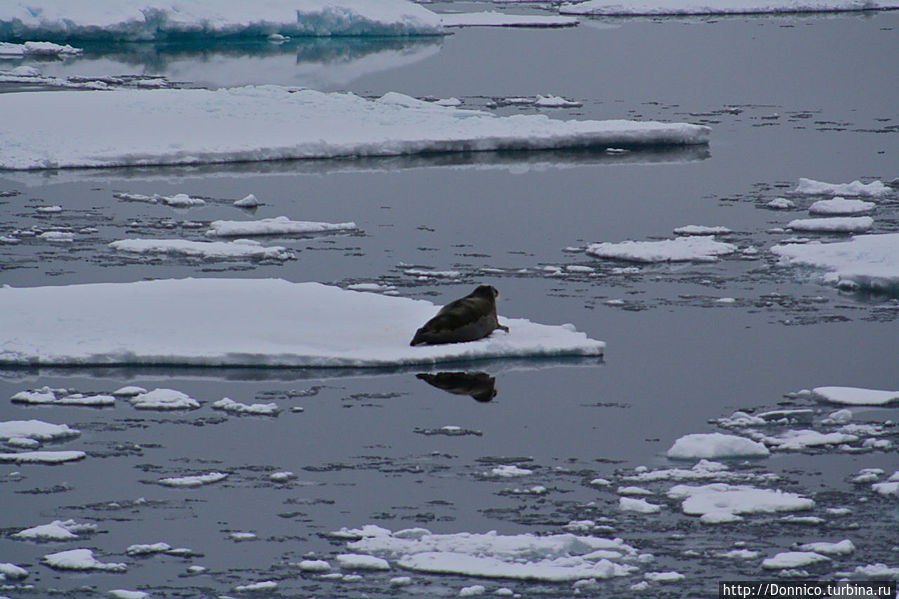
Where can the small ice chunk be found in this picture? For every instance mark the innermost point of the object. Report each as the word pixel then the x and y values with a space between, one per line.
pixel 261 586
pixel 724 500
pixel 58 530
pixel 280 477
pixel 193 481
pixel 701 230
pixel 80 559
pixel 509 471
pixel 35 430
pixel 400 581
pixel 715 445
pixel 43 457
pixel 793 559
pixel 856 188
pixel 12 571
pixel 836 224
pixel 550 101
pixel 164 399
pixel 129 391
pixel 841 206
pixel 802 439
pixel 148 549
pixel 664 577
pixel 226 404
pixel 248 201
pixel 126 594
pixel 681 249
pixel 630 504
pixel 242 536
pixel 313 565
pixel 356 561
pixel 57 236
pixel 472 591
pixel 843 547
pixel 280 225
pixel 780 204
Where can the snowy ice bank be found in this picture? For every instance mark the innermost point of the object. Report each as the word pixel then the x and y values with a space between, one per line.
pixel 235 322
pixel 867 261
pixel 197 126
pixel 143 20
pixel 692 7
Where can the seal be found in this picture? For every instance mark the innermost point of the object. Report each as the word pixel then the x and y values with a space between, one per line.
pixel 467 319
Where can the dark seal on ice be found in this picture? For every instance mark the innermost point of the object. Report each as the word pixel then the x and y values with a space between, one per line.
pixel 467 319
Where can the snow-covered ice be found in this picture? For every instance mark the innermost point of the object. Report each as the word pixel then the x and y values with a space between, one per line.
pixel 681 249
pixel 163 400
pixel 855 396
pixel 631 504
pixel 780 204
pixel 717 502
pixel 280 225
pixel 715 446
pixel 843 547
pixel 802 439
pixel 856 188
pixel 197 126
pixel 144 20
pixel 178 200
pixel 48 396
pixel 550 101
pixel 35 430
pixel 248 201
pixel 701 7
pixel 240 248
pixel 147 548
pixel 43 457
pixel 357 561
pixel 9 50
pixel 501 19
pixel 508 471
pixel 227 404
pixel 702 230
pixel 58 530
pixel 835 224
pixel 80 559
pixel 313 565
pixel 841 206
pixel 242 322
pixel 193 481
pixel 867 261
pixel 793 559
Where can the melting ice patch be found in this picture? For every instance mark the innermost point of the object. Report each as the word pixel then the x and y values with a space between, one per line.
pixel 243 322
pixel 499 19
pixel 198 126
pixel 856 188
pixel 8 50
pixel 854 396
pixel 867 261
pixel 682 249
pixel 143 20
pixel 835 224
pixel 58 530
pixel 715 445
pixel 722 502
pixel 31 433
pixel 841 206
pixel 46 395
pixel 80 559
pixel 280 225
pixel 240 248
pixel 692 7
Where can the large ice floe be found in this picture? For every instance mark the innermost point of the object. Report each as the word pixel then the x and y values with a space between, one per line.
pixel 551 558
pixel 681 249
pixel 720 7
pixel 722 502
pixel 241 322
pixel 197 126
pixel 866 261
pixel 855 396
pixel 143 20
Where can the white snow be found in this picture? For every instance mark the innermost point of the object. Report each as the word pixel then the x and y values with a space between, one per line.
pixel 227 404
pixel 9 50
pixel 724 502
pixel 129 391
pixel 843 547
pixel 48 396
pixel 164 399
pixel 793 559
pixel 501 19
pixel 508 471
pixel 704 7
pixel 178 200
pixel 242 322
pixel 240 248
pixel 11 571
pixel 681 249
pixel 147 548
pixel 280 225
pixel 43 457
pixel 555 558
pixel 193 481
pixel 196 126
pixel 802 439
pixel 855 396
pixel 249 201
pixel 664 577
pixel 551 101
pixel 313 565
pixel 357 561
pixel 144 20
pixel 836 224
pixel 80 559
pixel 702 230
pixel 856 188
pixel 36 430
pixel 703 469
pixel 780 204
pixel 472 591
pixel 631 504
pixel 57 236
pixel 841 206
pixel 715 445
pixel 58 530
pixel 263 585
pixel 869 261
pixel 126 594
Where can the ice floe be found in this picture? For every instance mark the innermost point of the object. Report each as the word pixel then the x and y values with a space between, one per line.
pixel 780 204
pixel 178 200
pixel 793 559
pixel 631 504
pixel 692 7
pixel 80 559
pixel 701 230
pixel 197 126
pixel 856 188
pixel 242 322
pixel 257 587
pixel 11 572
pixel 856 396
pixel 43 457
pixel 147 548
pixel 227 404
pixel 240 248
pixel 843 547
pixel 501 19
pixel 681 249
pixel 802 439
pixel 128 594
pixel 163 400
pixel 280 225
pixel 48 396
pixel 722 502
pixel 841 206
pixel 34 432
pixel 866 261
pixel 9 50
pixel 194 480
pixel 58 530
pixel 715 445
pixel 143 20
pixel 356 561
pixel 836 224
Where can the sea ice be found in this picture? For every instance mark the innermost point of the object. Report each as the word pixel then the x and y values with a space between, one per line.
pixel 843 547
pixel 80 559
pixel 841 206
pixel 472 591
pixel 313 565
pixel 147 549
pixel 280 225
pixel 793 559
pixel 508 471
pixel 42 457
pixel 681 249
pixel 630 504
pixel 227 404
pixel 178 200
pixel 854 396
pixel 551 570
pixel 780 204
pixel 36 430
pixel 46 395
pixel 8 50
pixel 249 201
pixel 836 224
pixel 198 126
pixel 500 19
pixel 241 248
pixel 715 445
pixel 664 577
pixel 241 322
pixel 802 439
pixel 356 561
pixel 144 20
pixel 551 101
pixel 856 188
pixel 703 469
pixel 126 594
pixel 261 586
pixel 701 230
pixel 164 399
pixel 193 481
pixel 868 261
pixel 723 500
pixel 58 530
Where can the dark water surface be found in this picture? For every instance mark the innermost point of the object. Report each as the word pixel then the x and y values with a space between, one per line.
pixel 786 97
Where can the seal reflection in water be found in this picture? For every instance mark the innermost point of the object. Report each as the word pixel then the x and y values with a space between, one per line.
pixel 479 385
pixel 467 319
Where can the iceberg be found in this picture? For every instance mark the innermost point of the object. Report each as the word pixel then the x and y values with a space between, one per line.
pixel 238 322
pixel 145 20
pixel 718 7
pixel 247 124
pixel 867 261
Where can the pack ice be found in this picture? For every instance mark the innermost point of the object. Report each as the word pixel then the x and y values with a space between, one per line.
pixel 719 7
pixel 130 127
pixel 236 322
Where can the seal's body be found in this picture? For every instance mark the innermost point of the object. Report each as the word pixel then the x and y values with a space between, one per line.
pixel 467 319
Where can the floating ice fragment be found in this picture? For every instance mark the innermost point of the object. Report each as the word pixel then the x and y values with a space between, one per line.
pixel 317 565
pixel 280 225
pixel 43 457
pixel 126 594
pixel 681 249
pixel 726 500
pixel 780 204
pixel 259 409
pixel 242 536
pixel 240 248
pixel 193 481
pixel 693 7
pixel 836 224
pixel 701 230
pixel 249 201
pixel 508 471
pixel 843 547
pixel 356 561
pixel 261 586
pixel 164 399
pixel 793 559
pixel 856 188
pixel 129 391
pixel 664 577
pixel 472 591
pixel 841 206
pixel 550 101
pixel 855 396
pixel 57 236
pixel 630 504
pixel 715 445
pixel 58 530
pixel 501 19
pixel 148 549
pixel 400 581
pixel 36 430
pixel 80 559
pixel 802 439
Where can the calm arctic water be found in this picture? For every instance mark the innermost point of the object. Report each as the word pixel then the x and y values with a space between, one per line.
pixel 786 97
